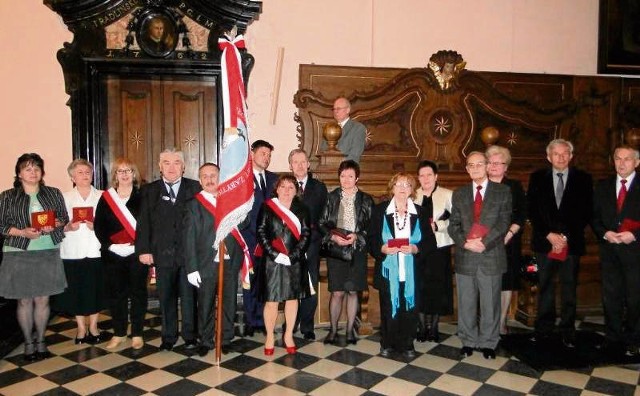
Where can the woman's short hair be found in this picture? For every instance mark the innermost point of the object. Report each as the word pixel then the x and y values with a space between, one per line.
pixel 499 150
pixel 398 176
pixel 428 164
pixel 25 160
pixel 77 162
pixel 283 178
pixel 349 164
pixel 118 162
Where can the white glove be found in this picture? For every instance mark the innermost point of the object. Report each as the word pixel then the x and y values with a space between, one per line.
pixel 194 278
pixel 122 249
pixel 283 259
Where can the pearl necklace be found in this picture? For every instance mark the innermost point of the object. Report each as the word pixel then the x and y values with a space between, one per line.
pixel 396 215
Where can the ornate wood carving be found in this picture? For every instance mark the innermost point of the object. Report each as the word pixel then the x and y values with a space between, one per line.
pixel 114 39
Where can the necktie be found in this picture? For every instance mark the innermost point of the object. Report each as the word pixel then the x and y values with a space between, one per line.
pixel 622 195
pixel 477 205
pixel 263 186
pixel 301 189
pixel 559 189
pixel 172 194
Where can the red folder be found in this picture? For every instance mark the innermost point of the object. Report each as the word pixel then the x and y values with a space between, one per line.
pixel 43 219
pixel 477 231
pixel 398 242
pixel 82 213
pixel 561 255
pixel 121 237
pixel 344 234
pixel 629 225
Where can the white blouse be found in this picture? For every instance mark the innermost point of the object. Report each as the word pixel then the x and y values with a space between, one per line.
pixel 81 243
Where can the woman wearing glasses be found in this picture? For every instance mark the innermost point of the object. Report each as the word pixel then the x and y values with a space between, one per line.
pixel 126 277
pixel 400 236
pixel 499 159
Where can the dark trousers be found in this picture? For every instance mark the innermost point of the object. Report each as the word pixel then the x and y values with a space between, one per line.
pixel 567 272
pixel 126 278
pixel 307 307
pixel 396 333
pixel 172 284
pixel 620 266
pixel 253 308
pixel 207 294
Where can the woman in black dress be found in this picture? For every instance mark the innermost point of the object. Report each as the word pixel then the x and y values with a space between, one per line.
pixel 115 225
pixel 345 223
pixel 499 159
pixel 284 235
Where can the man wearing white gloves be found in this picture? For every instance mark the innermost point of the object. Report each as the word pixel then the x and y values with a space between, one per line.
pixel 202 261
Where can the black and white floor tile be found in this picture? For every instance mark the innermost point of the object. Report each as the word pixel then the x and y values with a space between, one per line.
pixel 316 369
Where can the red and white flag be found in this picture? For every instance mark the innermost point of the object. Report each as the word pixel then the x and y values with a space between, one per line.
pixel 235 190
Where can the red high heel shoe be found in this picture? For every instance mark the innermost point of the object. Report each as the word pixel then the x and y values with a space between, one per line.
pixel 291 350
pixel 269 351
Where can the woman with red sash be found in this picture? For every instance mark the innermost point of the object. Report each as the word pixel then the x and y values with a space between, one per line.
pixel 283 236
pixel 126 277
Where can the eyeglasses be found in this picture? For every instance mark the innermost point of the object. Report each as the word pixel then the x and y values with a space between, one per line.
pixel 497 163
pixel 124 171
pixel 403 185
pixel 472 165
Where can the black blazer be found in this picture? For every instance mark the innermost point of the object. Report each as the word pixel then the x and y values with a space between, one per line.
pixel 106 224
pixel 160 223
pixel 315 197
pixel 605 214
pixel 570 219
pixel 427 242
pixel 363 205
pixel 199 235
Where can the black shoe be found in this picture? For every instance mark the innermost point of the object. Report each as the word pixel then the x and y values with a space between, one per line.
pixel 489 353
pixel 409 354
pixel 83 340
pixel 433 337
pixel 166 346
pixel 632 350
pixel 538 337
pixel 248 331
pixel 29 352
pixel 190 345
pixel 99 338
pixel 261 329
pixel 41 351
pixel 385 352
pixel 421 336
pixel 351 337
pixel 227 348
pixel 203 350
pixel 466 352
pixel 331 338
pixel 309 335
pixel 569 340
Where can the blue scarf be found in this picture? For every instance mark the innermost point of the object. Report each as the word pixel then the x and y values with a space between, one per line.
pixel 390 270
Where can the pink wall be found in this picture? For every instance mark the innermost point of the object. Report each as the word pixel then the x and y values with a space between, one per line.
pixel 541 36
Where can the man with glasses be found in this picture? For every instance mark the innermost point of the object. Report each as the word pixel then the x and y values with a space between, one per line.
pixel 352 140
pixel 159 236
pixel 480 218
pixel 559 206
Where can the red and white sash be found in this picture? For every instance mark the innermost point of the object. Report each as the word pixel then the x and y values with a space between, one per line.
pixel 121 212
pixel 247 264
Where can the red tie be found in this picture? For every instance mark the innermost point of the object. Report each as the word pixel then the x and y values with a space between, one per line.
pixel 477 205
pixel 622 194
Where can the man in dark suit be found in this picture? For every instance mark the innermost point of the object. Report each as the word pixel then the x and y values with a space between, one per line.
pixel 354 133
pixel 159 237
pixel 560 204
pixel 264 183
pixel 314 195
pixel 481 258
pixel 202 261
pixel 616 222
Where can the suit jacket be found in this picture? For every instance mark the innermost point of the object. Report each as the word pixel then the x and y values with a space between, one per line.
pixel 441 203
pixel 250 233
pixel 570 219
pixel 199 235
pixel 605 214
pixel 427 242
pixel 160 223
pixel 106 224
pixel 315 197
pixel 352 140
pixel 496 215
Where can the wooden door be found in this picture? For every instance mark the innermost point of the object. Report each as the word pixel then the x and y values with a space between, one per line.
pixel 147 116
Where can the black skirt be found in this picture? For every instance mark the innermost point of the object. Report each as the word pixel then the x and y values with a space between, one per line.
pixel 84 294
pixel 347 276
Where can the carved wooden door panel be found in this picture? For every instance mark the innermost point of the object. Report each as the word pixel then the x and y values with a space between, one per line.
pixel 148 116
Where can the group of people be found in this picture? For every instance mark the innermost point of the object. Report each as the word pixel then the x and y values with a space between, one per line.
pixel 92 250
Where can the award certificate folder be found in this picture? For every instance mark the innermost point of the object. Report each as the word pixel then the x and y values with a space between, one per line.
pixel 82 213
pixel 629 225
pixel 477 231
pixel 121 237
pixel 344 234
pixel 561 255
pixel 43 219
pixel 398 242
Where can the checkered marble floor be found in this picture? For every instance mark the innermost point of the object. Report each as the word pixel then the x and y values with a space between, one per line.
pixel 316 369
